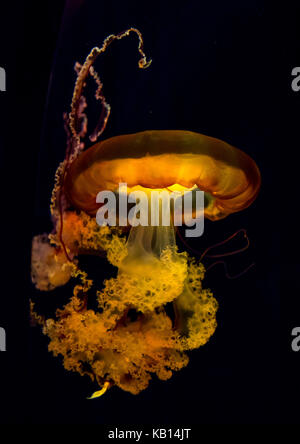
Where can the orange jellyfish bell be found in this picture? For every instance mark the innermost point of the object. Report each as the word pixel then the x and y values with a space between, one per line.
pixel 160 159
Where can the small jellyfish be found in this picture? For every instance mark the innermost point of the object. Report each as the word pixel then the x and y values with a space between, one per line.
pixel 154 309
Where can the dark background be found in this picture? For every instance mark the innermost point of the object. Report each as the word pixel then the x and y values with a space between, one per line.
pixel 219 68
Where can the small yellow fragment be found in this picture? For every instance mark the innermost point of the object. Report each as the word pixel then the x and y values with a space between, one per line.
pixel 100 392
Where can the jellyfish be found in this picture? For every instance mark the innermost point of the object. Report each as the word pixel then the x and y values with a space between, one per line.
pixel 154 309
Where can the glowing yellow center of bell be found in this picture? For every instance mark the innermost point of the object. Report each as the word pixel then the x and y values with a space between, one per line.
pixel 175 188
